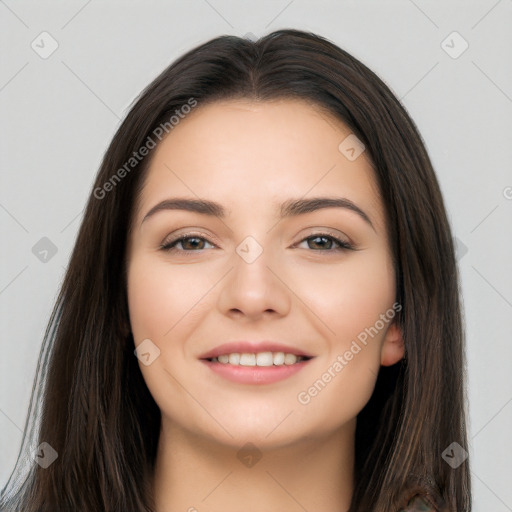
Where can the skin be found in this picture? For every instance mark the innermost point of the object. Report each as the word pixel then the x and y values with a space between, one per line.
pixel 250 157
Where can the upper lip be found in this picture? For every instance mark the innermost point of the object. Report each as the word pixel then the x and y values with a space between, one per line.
pixel 252 347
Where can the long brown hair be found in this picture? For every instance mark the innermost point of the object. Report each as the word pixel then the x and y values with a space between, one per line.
pixel 90 402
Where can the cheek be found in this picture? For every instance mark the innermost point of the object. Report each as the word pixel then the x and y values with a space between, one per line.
pixel 349 298
pixel 163 305
pixel 351 303
pixel 159 297
pixel 147 296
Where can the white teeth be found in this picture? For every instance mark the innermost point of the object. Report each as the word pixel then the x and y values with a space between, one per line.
pixel 279 358
pixel 290 359
pixel 234 359
pixel 259 359
pixel 247 360
pixel 264 359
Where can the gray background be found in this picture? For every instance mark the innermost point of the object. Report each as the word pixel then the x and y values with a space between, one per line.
pixel 60 112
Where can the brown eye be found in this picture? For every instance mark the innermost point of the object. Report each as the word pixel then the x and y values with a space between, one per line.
pixel 326 243
pixel 188 243
pixel 322 242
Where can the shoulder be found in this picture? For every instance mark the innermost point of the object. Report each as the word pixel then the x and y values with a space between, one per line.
pixel 418 504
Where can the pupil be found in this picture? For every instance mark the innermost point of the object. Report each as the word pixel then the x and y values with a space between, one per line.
pixel 321 238
pixel 193 245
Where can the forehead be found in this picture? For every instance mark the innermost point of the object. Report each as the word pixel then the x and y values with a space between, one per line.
pixel 237 151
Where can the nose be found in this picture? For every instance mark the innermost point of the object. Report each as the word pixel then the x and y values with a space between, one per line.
pixel 255 289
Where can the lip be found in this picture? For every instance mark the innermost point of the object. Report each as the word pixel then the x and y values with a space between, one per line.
pixel 253 347
pixel 255 374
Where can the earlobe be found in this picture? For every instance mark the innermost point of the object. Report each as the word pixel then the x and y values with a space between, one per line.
pixel 393 349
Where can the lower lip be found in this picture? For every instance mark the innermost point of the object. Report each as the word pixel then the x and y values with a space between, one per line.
pixel 255 374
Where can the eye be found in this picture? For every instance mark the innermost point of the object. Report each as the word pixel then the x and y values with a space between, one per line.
pixel 188 242
pixel 326 242
pixel 323 242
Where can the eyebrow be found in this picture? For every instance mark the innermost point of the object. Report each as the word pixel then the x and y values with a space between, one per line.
pixel 289 208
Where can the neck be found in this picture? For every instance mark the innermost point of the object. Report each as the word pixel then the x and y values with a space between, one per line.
pixel 194 474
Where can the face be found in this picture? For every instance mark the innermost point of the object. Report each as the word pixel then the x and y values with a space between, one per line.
pixel 268 274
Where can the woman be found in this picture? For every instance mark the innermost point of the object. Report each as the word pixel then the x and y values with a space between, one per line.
pixel 261 309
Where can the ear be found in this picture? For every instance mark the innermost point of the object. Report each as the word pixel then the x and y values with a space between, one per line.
pixel 393 348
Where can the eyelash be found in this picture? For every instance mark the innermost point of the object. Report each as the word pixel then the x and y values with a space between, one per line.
pixel 342 245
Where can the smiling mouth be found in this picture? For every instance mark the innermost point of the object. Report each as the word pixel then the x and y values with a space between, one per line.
pixel 259 359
